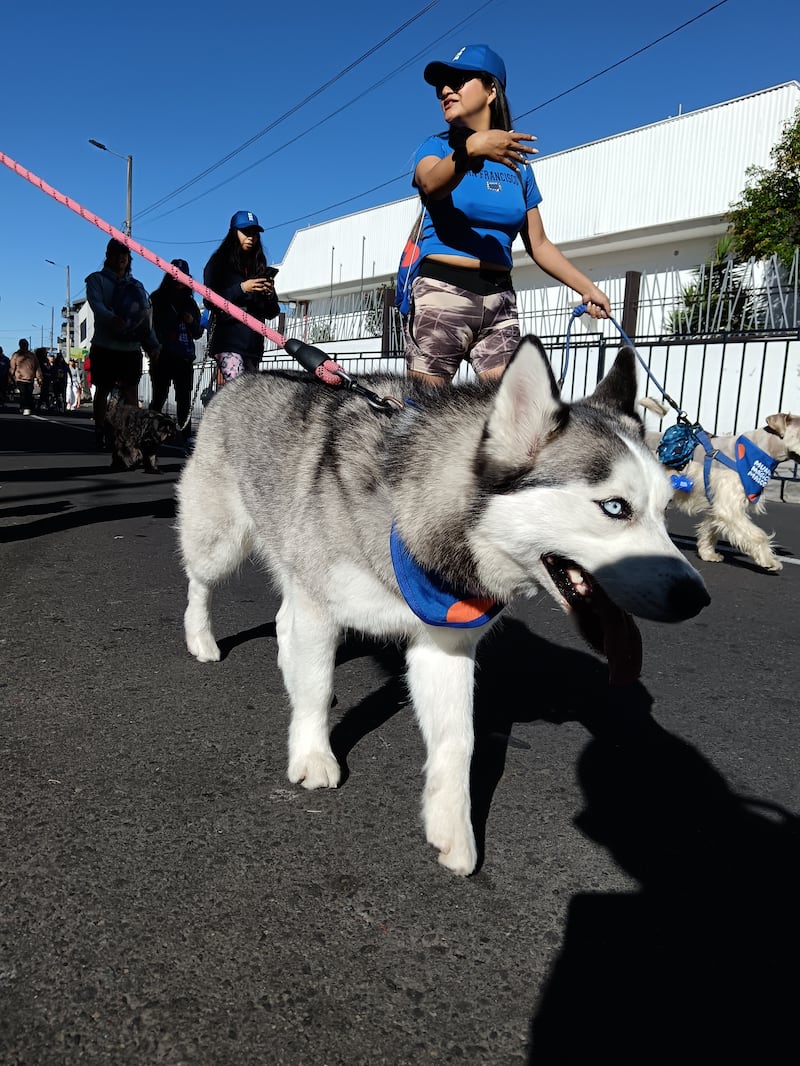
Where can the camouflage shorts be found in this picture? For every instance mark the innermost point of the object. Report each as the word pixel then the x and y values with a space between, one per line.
pixel 447 324
pixel 232 365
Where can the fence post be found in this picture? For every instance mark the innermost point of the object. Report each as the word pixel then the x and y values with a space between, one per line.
pixel 386 331
pixel 630 303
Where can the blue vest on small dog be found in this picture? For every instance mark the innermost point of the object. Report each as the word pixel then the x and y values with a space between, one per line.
pixel 755 467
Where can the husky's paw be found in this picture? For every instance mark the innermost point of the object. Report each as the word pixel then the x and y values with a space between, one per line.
pixel 456 847
pixel 316 769
pixel 203 647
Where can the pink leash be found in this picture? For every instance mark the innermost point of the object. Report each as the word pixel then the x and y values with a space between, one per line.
pixel 318 364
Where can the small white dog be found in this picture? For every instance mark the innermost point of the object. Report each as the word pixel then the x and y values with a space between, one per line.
pixel 728 513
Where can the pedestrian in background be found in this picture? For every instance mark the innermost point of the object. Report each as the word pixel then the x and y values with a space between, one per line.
pixel 47 366
pixel 60 381
pixel 238 271
pixel 87 373
pixel 5 363
pixel 120 335
pixel 176 324
pixel 478 193
pixel 25 371
pixel 74 386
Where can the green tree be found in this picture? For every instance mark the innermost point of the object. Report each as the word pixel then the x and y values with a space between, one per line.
pixel 766 220
pixel 713 300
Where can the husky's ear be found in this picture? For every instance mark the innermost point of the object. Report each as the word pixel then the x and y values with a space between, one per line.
pixel 527 408
pixel 617 390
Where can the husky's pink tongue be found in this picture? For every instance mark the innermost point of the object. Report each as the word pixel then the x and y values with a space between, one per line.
pixel 619 639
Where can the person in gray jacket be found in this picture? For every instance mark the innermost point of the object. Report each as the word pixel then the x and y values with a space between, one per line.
pixel 123 327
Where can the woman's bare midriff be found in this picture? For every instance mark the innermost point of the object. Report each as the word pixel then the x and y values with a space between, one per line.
pixel 467 264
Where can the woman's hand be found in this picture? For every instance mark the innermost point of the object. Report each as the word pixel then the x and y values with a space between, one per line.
pixel 265 285
pixel 502 146
pixel 597 303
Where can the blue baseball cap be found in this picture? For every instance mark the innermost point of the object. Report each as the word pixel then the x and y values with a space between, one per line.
pixel 477 57
pixel 245 220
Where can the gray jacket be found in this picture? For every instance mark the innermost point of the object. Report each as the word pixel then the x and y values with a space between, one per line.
pixel 100 296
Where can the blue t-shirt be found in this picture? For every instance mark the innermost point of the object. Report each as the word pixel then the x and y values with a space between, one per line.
pixel 483 215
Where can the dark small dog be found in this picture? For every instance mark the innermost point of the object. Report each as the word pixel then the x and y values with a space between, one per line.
pixel 135 436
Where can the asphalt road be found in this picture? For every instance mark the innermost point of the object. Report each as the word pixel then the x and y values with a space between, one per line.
pixel 166 896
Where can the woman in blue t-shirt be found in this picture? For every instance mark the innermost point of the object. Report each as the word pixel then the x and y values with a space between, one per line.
pixel 478 193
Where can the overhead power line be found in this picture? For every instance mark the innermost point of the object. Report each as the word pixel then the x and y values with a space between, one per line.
pixel 287 114
pixel 619 62
pixel 333 114
pixel 566 92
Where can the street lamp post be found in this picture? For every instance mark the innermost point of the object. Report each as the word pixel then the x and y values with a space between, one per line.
pixel 52 316
pixel 129 200
pixel 68 338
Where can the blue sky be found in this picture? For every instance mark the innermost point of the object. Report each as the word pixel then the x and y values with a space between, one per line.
pixel 329 101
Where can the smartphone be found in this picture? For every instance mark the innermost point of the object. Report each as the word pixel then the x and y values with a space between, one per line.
pixel 271 272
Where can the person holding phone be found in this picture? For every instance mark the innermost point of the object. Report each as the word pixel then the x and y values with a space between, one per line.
pixel 238 271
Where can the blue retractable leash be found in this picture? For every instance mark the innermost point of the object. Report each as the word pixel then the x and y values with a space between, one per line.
pixel 581 310
pixel 677 446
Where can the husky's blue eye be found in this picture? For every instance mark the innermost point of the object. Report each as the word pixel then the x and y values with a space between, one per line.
pixel 616 508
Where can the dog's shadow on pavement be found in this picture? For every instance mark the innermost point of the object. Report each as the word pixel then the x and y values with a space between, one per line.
pixel 519 677
pixel 698 966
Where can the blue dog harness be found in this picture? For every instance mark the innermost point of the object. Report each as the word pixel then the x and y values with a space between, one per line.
pixel 431 598
pixel 753 465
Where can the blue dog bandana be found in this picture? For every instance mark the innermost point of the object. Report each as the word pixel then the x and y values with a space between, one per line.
pixel 431 599
pixel 755 467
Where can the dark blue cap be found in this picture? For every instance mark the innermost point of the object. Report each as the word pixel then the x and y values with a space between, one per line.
pixel 477 57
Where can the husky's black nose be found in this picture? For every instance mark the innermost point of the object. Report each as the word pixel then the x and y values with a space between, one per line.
pixel 688 596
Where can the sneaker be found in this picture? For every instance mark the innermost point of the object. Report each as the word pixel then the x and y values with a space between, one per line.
pixel 27 411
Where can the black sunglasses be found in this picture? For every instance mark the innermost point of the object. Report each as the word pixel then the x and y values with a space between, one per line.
pixel 457 80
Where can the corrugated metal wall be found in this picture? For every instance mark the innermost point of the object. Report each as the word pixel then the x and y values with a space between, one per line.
pixel 688 167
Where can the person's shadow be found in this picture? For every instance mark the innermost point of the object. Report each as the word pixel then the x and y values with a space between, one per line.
pixel 700 964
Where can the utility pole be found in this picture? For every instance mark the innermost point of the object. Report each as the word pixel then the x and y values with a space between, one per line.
pixel 69 321
pixel 67 309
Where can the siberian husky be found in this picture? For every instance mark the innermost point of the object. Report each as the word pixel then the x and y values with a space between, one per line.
pixel 417 526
